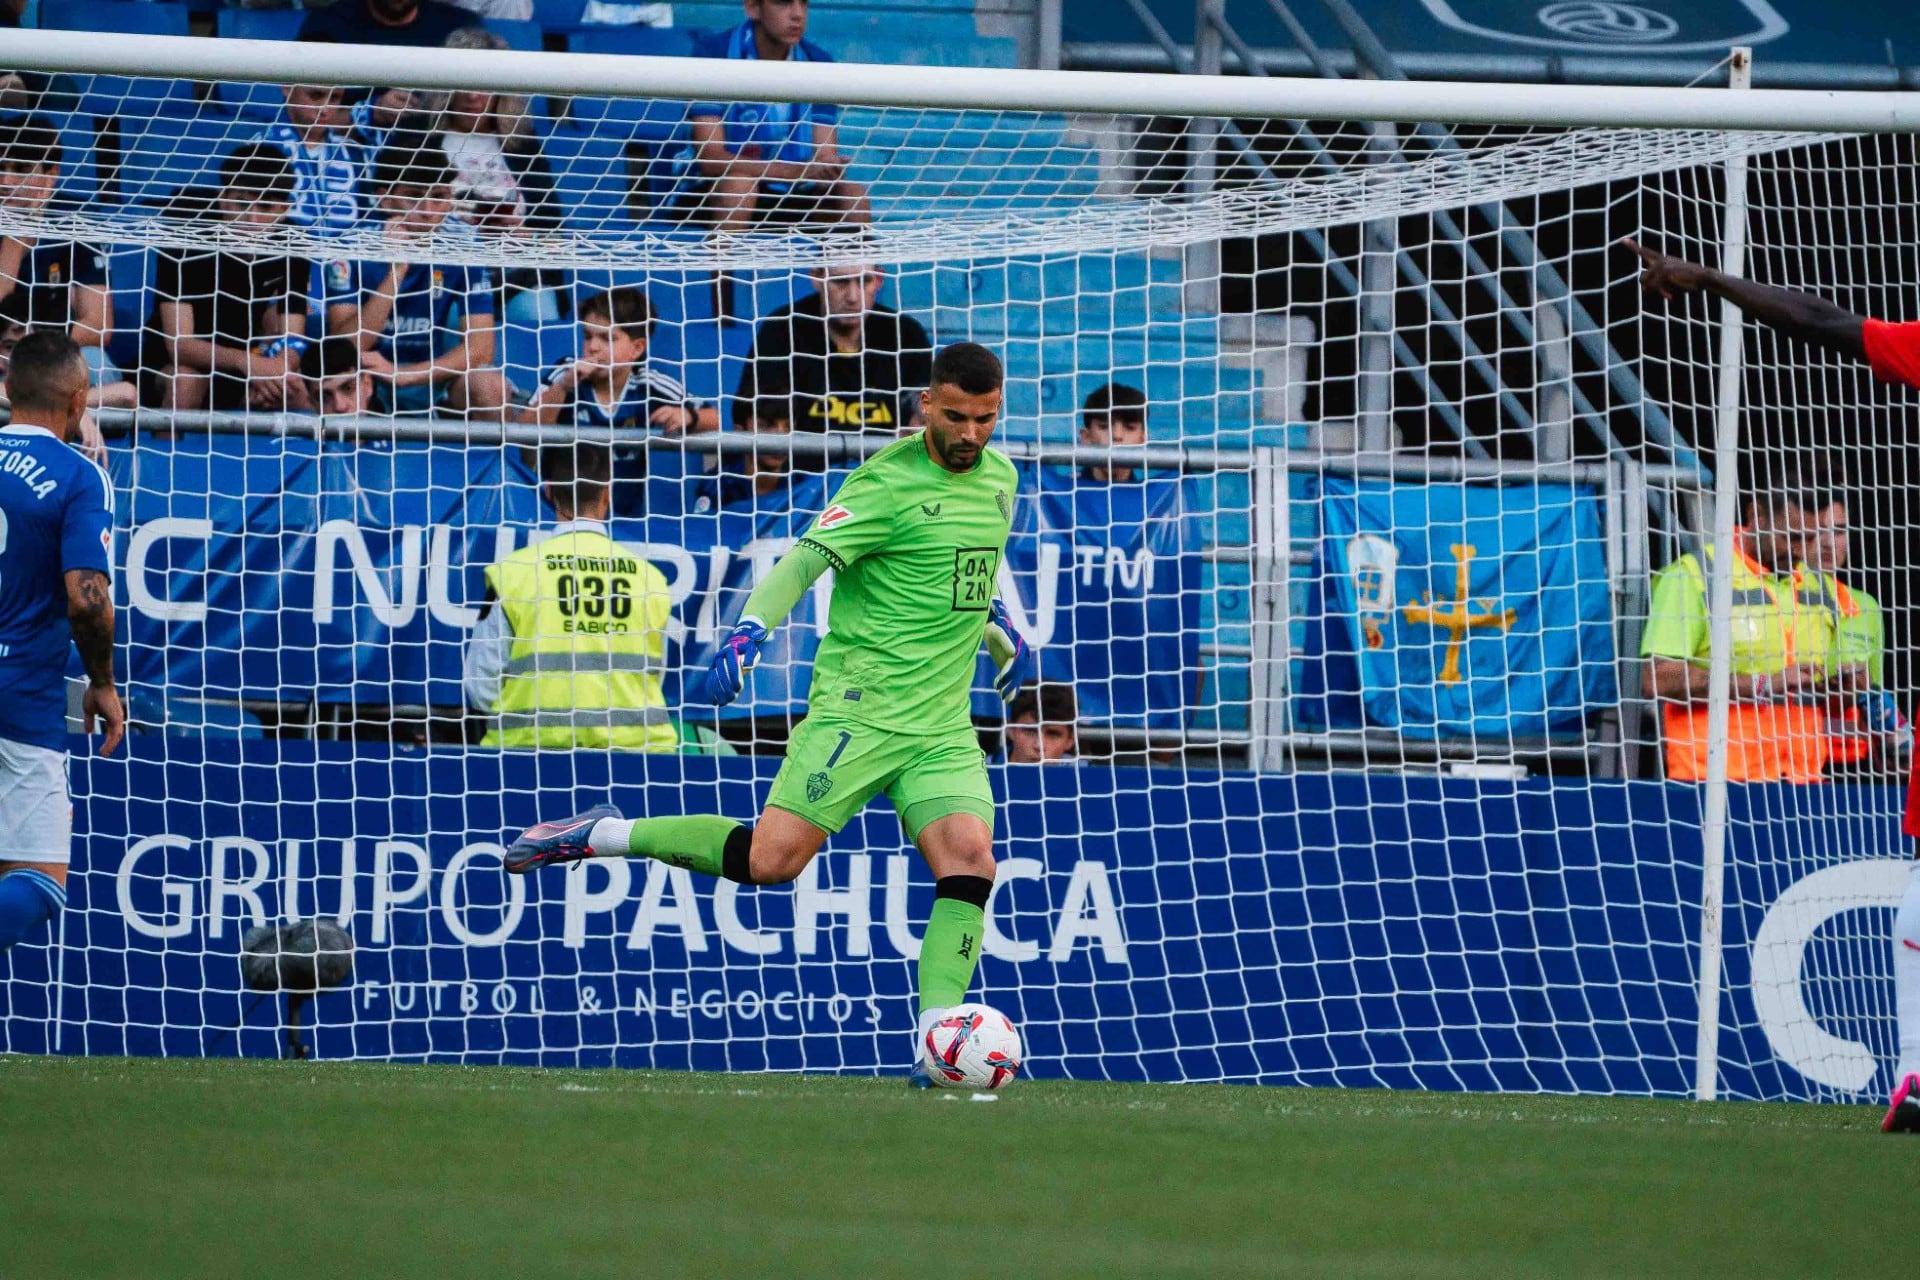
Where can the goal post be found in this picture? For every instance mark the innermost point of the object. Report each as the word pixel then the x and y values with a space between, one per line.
pixel 1361 784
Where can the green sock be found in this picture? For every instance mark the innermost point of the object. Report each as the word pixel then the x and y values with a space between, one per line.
pixel 697 842
pixel 950 952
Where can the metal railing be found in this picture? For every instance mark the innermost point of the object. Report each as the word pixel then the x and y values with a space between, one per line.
pixel 1274 556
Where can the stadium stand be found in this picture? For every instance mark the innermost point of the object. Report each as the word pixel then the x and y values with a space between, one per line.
pixel 1064 325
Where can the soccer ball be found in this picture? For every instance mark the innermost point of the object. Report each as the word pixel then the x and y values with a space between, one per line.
pixel 972 1046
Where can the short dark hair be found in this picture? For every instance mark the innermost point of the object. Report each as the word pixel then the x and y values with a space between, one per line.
pixel 1049 702
pixel 411 160
pixel 39 377
pixel 331 358
pixel 260 169
pixel 30 142
pixel 1113 400
pixel 969 368
pixel 625 308
pixel 1775 477
pixel 575 474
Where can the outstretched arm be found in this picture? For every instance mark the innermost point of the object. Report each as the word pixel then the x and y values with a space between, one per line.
pixel 90 615
pixel 767 607
pixel 1798 315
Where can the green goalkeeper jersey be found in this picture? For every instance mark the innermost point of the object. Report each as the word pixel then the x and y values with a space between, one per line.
pixel 916 551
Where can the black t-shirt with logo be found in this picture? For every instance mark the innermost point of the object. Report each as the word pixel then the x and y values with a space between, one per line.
pixel 876 388
pixel 230 296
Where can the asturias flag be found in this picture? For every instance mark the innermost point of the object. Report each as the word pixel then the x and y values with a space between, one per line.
pixel 1466 609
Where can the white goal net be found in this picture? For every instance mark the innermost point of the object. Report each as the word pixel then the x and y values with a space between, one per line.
pixel 1348 457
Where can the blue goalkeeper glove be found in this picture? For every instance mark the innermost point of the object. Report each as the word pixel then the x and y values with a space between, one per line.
pixel 1018 669
pixel 739 650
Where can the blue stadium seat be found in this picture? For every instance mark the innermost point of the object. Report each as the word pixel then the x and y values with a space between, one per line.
pixel 533 336
pixel 261 101
pixel 658 122
pixel 652 42
pixel 122 95
pixel 524 36
pixel 129 286
pixel 161 154
pixel 558 15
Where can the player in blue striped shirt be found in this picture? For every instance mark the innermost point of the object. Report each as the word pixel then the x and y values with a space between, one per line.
pixel 56 540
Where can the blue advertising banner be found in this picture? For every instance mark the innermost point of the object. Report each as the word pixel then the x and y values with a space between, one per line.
pixel 1462 609
pixel 1118 565
pixel 1410 932
pixel 284 570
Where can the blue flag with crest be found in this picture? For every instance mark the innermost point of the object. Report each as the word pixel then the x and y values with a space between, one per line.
pixel 1459 609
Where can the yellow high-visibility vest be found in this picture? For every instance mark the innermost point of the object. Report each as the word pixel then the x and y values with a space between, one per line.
pixel 588 618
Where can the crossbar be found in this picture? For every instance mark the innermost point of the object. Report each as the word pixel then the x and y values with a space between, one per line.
pixel 961 88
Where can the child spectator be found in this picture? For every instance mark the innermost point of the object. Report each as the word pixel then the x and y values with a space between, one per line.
pixel 777 160
pixel 747 478
pixel 501 182
pixel 337 383
pixel 58 284
pixel 610 383
pixel 228 329
pixel 326 164
pixel 1113 417
pixel 426 332
pixel 1042 725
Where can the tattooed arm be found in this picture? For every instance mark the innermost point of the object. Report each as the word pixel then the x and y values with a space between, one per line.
pixel 90 615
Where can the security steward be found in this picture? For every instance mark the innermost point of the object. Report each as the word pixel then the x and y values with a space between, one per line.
pixel 1788 664
pixel 571 642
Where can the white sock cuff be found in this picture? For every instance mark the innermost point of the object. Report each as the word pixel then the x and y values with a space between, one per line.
pixel 611 838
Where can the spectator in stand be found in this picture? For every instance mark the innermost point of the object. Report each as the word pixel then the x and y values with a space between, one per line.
pixel 419 24
pixel 228 329
pixel 572 637
pixel 1042 725
pixel 372 120
pixel 845 361
pixel 1785 675
pixel 747 478
pixel 610 383
pixel 337 383
pixel 1114 416
pixel 326 163
pixel 426 332
pixel 779 161
pixel 501 182
pixel 50 284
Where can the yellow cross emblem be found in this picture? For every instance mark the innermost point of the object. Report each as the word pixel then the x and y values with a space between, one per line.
pixel 1456 616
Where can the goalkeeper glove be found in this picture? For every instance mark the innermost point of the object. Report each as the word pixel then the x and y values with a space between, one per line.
pixel 739 650
pixel 1019 668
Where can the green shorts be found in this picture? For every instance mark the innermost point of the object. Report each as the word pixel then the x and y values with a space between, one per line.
pixel 834 767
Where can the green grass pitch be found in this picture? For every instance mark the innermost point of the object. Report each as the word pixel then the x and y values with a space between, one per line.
pixel 142 1168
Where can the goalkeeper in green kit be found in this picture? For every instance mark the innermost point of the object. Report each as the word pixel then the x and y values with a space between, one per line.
pixel 914 537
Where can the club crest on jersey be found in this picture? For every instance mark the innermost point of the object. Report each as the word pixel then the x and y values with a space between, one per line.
pixel 833 515
pixel 1001 500
pixel 818 784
